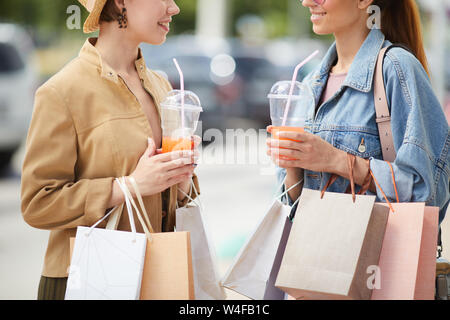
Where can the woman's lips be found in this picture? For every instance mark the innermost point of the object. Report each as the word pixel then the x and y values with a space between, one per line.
pixel 316 16
pixel 165 26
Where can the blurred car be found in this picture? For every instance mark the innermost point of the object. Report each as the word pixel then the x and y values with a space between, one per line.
pixel 17 85
pixel 231 78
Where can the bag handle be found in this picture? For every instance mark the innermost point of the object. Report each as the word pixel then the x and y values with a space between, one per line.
pixel 141 202
pixel 289 189
pixel 197 200
pixel 146 227
pixel 393 179
pixel 350 164
pixel 382 192
pixel 123 188
pixel 351 159
pixel 114 219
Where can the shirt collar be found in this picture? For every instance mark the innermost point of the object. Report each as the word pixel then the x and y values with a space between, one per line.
pixel 90 53
pixel 360 74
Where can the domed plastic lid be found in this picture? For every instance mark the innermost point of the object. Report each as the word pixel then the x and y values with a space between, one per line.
pixel 174 100
pixel 281 89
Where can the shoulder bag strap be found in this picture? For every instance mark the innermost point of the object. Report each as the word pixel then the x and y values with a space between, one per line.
pixel 383 116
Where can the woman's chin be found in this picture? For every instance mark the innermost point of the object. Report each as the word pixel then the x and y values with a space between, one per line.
pixel 156 41
pixel 320 30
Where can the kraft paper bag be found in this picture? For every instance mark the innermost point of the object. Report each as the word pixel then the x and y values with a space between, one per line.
pixel 407 267
pixel 168 272
pixel 206 278
pixel 332 244
pixel 255 267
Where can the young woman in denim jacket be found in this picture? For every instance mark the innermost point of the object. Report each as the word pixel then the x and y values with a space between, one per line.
pixel 344 122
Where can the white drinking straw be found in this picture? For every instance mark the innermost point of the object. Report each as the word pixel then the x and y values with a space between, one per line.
pixel 182 91
pixel 294 77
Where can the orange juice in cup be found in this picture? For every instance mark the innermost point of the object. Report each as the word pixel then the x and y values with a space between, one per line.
pixel 276 130
pixel 289 105
pixel 170 144
pixel 180 113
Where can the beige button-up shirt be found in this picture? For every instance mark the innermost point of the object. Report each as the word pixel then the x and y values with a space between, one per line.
pixel 87 129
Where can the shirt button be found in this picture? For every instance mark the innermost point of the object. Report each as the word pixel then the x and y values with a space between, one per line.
pixel 362 146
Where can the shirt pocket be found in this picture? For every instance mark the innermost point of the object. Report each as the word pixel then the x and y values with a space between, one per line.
pixel 361 144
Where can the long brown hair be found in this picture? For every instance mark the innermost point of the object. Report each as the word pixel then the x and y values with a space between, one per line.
pixel 400 23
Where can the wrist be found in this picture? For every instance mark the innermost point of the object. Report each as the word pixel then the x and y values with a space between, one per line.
pixel 185 187
pixel 338 164
pixel 294 172
pixel 130 186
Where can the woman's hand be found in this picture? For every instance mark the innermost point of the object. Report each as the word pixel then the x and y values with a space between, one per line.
pixel 308 151
pixel 157 172
pixel 185 185
pixel 311 152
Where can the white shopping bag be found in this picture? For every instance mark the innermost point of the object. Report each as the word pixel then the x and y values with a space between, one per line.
pixel 255 268
pixel 206 280
pixel 107 264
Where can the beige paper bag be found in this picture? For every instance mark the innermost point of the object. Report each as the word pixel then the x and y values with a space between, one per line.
pixel 332 243
pixel 168 273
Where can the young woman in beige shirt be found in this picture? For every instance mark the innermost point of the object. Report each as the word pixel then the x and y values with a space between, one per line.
pixel 98 119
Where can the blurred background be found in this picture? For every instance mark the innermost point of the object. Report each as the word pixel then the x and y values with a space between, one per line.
pixel 231 53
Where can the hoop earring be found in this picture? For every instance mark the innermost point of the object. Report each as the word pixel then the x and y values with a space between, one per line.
pixel 122 19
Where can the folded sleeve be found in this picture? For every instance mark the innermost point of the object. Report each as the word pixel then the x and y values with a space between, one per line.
pixel 51 197
pixel 421 136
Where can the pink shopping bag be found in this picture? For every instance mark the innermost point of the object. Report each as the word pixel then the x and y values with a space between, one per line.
pixel 408 255
pixel 407 266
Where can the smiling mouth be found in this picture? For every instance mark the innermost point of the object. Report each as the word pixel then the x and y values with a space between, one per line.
pixel 164 25
pixel 317 15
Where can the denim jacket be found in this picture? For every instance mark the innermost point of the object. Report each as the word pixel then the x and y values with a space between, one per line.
pixel 347 121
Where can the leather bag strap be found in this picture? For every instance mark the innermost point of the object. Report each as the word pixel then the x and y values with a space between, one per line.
pixel 383 117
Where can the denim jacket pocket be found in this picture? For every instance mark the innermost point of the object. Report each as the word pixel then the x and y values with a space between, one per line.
pixel 361 144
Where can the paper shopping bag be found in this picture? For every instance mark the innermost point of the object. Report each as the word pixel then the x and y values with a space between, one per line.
pixel 206 279
pixel 106 264
pixel 332 243
pixel 168 272
pixel 255 267
pixel 407 267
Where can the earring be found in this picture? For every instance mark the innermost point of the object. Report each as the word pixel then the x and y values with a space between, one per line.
pixel 123 20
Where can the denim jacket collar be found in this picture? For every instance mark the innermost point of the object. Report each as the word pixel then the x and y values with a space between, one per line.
pixel 360 75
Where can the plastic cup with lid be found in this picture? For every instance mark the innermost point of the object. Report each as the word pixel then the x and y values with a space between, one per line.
pixel 180 113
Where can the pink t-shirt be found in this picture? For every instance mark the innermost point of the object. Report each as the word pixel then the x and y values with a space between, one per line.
pixel 335 81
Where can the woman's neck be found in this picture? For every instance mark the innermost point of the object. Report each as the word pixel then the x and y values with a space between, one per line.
pixel 119 52
pixel 347 46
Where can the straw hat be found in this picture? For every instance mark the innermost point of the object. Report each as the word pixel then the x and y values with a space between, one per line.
pixel 95 8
